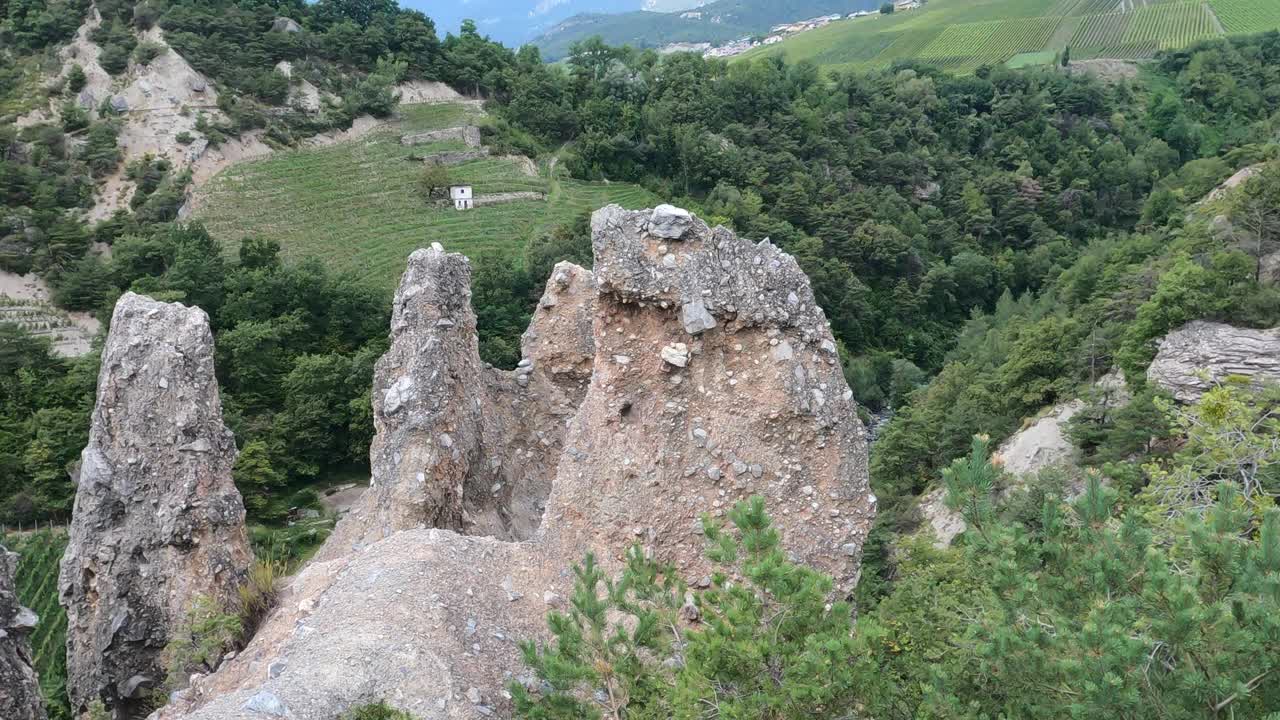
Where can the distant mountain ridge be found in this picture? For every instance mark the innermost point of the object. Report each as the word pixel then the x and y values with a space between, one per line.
pixel 516 22
pixel 715 22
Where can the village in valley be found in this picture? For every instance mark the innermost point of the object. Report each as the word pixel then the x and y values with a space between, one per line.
pixel 778 33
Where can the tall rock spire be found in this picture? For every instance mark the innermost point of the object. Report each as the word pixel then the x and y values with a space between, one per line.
pixel 157 521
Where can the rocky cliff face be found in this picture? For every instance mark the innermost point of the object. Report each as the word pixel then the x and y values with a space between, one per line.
pixel 1199 354
pixel 157 520
pixel 694 369
pixel 19 690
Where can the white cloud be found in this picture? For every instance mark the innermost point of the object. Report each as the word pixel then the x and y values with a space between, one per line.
pixel 545 6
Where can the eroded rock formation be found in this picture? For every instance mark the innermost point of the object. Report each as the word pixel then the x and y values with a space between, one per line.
pixel 19 689
pixel 157 520
pixel 696 370
pixel 461 445
pixel 1200 354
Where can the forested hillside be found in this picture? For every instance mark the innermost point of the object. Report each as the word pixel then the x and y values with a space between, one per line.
pixel 985 247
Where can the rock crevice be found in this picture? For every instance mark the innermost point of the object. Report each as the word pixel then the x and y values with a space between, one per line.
pixel 461 445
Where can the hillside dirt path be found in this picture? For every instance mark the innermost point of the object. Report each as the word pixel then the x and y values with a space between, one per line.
pixel 1217 24
pixel 1062 35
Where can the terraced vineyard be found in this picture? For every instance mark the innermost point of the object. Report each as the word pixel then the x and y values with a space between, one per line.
pixel 1102 30
pixel 973 44
pixel 1094 7
pixel 1247 16
pixel 1172 25
pixel 37 586
pixel 906 45
pixel 966 34
pixel 356 205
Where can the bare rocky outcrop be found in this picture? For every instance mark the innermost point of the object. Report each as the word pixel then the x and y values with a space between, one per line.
pixel 1242 176
pixel 157 521
pixel 1200 354
pixel 285 25
pixel 20 697
pixel 944 523
pixel 431 92
pixel 694 370
pixel 157 101
pixel 1041 444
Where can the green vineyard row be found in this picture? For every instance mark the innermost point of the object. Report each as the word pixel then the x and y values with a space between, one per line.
pixel 966 34
pixel 39 555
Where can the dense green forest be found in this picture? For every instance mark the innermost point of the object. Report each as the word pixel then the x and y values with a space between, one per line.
pixel 984 246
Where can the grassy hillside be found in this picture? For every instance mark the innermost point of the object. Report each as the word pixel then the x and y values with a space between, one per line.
pixel 964 34
pixel 356 204
pixel 37 586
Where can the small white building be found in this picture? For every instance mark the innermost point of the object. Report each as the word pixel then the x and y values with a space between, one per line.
pixel 462 197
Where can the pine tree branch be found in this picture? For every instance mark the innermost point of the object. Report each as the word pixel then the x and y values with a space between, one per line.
pixel 1233 696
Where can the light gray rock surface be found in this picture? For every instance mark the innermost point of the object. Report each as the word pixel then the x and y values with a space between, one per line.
pixel 945 524
pixel 1200 354
pixel 1042 444
pixel 670 222
pixel 1038 446
pixel 20 697
pixel 428 619
pixel 157 521
pixel 286 25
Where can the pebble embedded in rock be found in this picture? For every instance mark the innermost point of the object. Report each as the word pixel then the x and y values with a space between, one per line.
pixel 676 355
pixel 267 703
pixel 696 318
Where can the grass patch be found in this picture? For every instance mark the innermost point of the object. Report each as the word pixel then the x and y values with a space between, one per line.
pixel 435 116
pixel 1044 57
pixel 22 80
